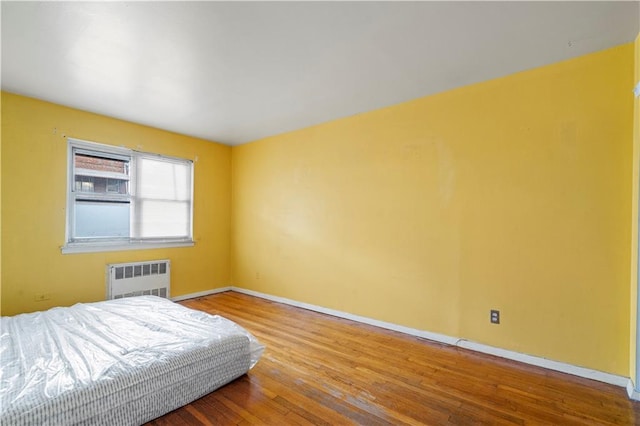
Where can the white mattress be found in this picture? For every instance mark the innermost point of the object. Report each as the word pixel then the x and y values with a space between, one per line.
pixel 118 362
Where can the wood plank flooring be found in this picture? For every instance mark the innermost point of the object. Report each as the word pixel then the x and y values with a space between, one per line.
pixel 322 370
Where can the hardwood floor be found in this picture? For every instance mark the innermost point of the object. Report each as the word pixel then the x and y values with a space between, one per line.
pixel 322 370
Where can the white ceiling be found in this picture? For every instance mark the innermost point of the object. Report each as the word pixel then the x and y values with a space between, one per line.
pixel 237 72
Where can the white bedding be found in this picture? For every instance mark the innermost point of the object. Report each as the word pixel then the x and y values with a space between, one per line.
pixel 123 361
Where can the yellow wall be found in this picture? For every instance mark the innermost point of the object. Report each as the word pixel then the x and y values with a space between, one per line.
pixel 635 181
pixel 511 194
pixel 34 167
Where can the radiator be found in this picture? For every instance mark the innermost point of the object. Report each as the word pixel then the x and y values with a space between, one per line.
pixel 139 278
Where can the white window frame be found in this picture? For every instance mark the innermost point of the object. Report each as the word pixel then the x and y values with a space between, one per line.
pixel 88 245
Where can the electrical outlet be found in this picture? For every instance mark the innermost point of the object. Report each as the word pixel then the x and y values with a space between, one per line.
pixel 40 297
pixel 495 316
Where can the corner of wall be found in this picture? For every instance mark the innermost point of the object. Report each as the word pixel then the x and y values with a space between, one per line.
pixel 633 339
pixel 632 392
pixel 1 94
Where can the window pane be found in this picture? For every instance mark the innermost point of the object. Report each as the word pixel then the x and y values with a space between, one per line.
pixel 162 179
pixel 101 175
pixel 84 184
pixel 116 186
pixel 101 219
pixel 157 219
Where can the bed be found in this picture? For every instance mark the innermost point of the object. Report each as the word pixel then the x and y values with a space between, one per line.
pixel 118 362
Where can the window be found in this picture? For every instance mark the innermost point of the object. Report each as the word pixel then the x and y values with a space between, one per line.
pixel 123 199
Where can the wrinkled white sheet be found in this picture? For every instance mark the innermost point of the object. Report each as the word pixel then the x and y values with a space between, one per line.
pixel 46 354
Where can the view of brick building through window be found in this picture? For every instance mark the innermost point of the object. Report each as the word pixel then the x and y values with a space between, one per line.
pixel 102 164
pixel 112 170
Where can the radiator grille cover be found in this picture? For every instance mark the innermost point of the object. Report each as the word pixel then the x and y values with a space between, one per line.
pixel 139 278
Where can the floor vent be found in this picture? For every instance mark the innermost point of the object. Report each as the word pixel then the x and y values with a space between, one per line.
pixel 138 279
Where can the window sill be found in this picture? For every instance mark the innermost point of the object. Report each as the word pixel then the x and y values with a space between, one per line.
pixel 72 248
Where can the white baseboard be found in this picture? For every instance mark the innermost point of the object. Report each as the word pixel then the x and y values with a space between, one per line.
pixel 546 363
pixel 442 338
pixel 395 327
pixel 201 293
pixel 632 391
